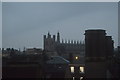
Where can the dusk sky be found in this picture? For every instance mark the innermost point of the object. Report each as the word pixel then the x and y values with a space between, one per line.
pixel 0 25
pixel 25 23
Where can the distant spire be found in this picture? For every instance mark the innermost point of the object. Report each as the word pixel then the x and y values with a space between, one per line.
pixel 77 42
pixel 68 41
pixel 72 41
pixel 62 41
pixel 54 37
pixel 58 37
pixel 49 36
pixel 48 33
pixel 65 41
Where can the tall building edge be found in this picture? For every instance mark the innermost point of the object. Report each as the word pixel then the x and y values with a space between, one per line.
pixel 98 50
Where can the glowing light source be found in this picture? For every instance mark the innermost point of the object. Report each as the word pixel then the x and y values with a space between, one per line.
pixel 81 78
pixel 73 78
pixel 72 69
pixel 82 69
pixel 76 57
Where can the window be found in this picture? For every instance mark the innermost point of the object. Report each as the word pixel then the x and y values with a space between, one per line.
pixel 82 69
pixel 72 69
pixel 73 78
pixel 81 78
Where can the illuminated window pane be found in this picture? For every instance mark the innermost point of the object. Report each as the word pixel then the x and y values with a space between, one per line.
pixel 82 69
pixel 73 78
pixel 81 78
pixel 72 69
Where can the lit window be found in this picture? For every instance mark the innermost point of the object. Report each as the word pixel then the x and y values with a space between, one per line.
pixel 73 78
pixel 82 69
pixel 81 78
pixel 72 69
pixel 76 57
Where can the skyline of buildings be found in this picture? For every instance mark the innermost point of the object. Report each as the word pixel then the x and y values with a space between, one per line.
pixel 24 25
pixel 61 40
pixel 94 59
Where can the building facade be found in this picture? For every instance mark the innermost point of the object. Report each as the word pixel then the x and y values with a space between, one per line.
pixel 72 50
pixel 69 49
pixel 98 53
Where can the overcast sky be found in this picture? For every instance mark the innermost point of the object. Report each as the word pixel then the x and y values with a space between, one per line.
pixel 0 25
pixel 24 24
